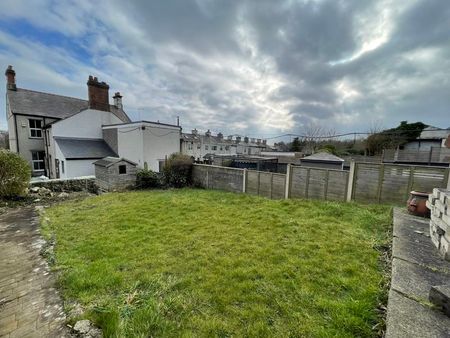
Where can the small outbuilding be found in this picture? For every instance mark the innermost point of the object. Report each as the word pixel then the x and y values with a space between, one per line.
pixel 114 173
pixel 322 160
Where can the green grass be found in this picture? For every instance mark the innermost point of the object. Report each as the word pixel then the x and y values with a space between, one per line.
pixel 197 263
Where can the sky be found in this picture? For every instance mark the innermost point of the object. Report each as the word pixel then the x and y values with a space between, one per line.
pixel 260 68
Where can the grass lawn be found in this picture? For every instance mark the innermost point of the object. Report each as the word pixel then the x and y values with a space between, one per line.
pixel 208 263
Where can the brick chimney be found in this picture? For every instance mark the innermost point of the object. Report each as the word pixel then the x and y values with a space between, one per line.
pixel 98 94
pixel 118 100
pixel 208 133
pixel 246 139
pixel 10 78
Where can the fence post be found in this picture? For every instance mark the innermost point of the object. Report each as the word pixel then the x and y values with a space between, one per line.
pixel 410 181
pixel 308 172
pixel 271 185
pixel 351 178
pixel 325 189
pixel 380 182
pixel 287 186
pixel 447 172
pixel 207 178
pixel 244 181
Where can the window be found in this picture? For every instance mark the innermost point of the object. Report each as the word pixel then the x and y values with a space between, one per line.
pixel 206 147
pixel 199 146
pixel 221 148
pixel 190 145
pixel 62 167
pixel 227 147
pixel 122 169
pixel 214 148
pixel 35 128
pixel 37 160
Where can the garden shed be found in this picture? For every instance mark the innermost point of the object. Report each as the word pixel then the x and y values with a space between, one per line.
pixel 322 160
pixel 114 173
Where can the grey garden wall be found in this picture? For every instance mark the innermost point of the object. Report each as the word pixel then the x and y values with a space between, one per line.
pixel 365 182
pixel 68 185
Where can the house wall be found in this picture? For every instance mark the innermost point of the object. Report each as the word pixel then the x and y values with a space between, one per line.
pixel 11 128
pixel 110 137
pixel 151 144
pixel 78 168
pixel 130 144
pixel 86 124
pixel 160 143
pixel 26 143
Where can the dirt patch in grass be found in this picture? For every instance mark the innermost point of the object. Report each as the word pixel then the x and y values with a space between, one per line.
pixel 209 263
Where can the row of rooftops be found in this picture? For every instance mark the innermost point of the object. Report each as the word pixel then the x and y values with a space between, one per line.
pixel 195 136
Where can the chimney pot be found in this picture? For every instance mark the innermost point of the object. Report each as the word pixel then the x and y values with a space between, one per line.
pixel 10 78
pixel 238 139
pixel 118 100
pixel 208 133
pixel 246 139
pixel 194 131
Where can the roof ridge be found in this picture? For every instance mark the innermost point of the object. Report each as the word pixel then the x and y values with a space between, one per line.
pixel 37 91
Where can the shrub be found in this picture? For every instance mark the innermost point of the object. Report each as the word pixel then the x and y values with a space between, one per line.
pixel 147 178
pixel 14 174
pixel 178 170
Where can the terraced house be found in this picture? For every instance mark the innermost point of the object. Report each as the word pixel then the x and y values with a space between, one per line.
pixel 62 136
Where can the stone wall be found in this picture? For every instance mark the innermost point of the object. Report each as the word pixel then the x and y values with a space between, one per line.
pixel 68 185
pixel 439 205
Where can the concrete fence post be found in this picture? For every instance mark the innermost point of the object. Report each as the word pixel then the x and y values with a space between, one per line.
pixel 448 177
pixel 287 186
pixel 244 181
pixel 351 178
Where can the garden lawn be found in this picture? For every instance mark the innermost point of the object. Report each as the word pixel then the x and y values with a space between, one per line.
pixel 199 263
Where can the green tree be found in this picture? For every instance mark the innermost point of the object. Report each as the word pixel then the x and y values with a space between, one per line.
pixel 296 145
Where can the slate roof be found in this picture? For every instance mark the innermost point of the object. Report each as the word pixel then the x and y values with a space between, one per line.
pixel 30 102
pixel 323 157
pixel 76 148
pixel 109 161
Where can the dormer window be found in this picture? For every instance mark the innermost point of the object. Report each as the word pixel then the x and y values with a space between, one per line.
pixel 35 127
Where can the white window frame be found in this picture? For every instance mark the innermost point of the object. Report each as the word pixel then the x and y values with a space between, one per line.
pixel 39 160
pixel 35 128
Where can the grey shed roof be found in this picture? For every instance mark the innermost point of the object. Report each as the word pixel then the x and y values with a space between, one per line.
pixel 75 148
pixel 30 102
pixel 109 161
pixel 323 157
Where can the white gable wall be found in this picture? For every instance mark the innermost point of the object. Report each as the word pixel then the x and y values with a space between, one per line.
pixel 86 124
pixel 144 142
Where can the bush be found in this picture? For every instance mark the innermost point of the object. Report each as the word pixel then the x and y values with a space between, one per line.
pixel 14 175
pixel 178 171
pixel 146 179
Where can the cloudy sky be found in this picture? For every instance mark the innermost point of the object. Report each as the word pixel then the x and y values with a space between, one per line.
pixel 260 67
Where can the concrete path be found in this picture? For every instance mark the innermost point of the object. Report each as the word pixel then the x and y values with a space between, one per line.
pixel 416 266
pixel 29 304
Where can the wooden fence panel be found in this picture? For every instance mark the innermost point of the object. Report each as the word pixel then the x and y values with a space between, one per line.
pixel 316 184
pixel 425 179
pixel 395 183
pixel 252 182
pixel 278 186
pixel 337 185
pixel 265 184
pixel 299 179
pixel 366 182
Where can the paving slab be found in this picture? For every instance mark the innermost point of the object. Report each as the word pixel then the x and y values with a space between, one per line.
pixel 30 306
pixel 408 318
pixel 416 267
pixel 415 281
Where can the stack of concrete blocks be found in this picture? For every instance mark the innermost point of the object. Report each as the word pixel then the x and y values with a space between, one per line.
pixel 439 205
